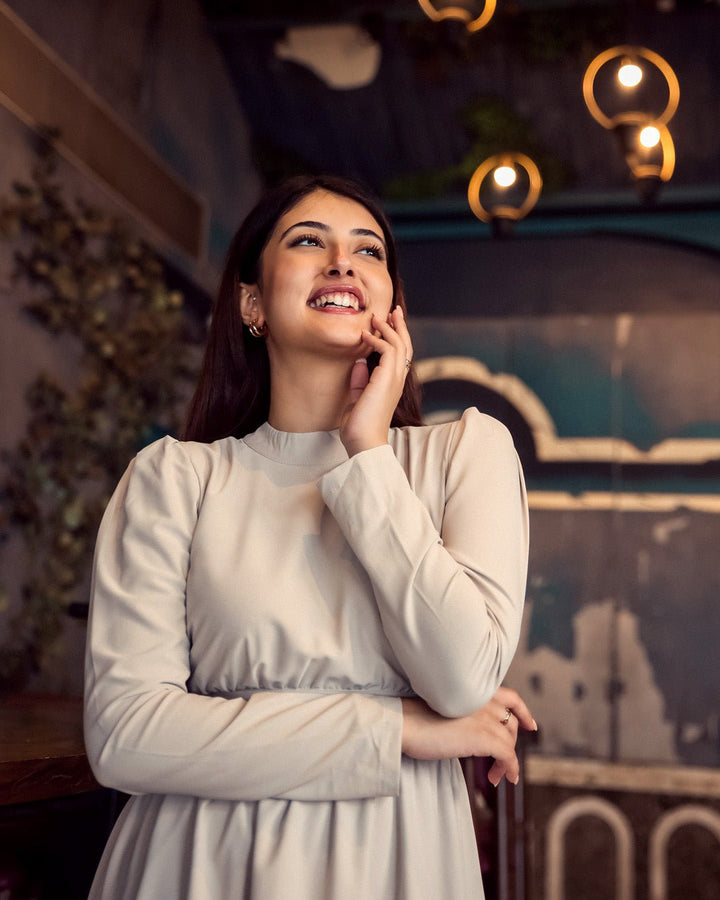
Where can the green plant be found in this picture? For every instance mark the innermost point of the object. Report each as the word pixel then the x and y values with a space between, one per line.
pixel 493 127
pixel 92 278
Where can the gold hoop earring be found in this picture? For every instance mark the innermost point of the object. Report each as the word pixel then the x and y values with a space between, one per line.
pixel 257 331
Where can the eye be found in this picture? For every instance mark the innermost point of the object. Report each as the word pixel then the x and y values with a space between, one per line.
pixel 306 240
pixel 373 250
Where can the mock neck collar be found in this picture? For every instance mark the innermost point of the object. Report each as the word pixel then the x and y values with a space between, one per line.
pixel 307 448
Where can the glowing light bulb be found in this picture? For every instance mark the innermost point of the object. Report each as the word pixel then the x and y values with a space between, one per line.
pixel 649 137
pixel 504 176
pixel 630 74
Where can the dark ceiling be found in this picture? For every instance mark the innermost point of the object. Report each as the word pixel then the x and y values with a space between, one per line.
pixel 442 99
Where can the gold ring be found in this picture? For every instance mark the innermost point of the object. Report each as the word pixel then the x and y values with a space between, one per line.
pixel 508 713
pixel 408 363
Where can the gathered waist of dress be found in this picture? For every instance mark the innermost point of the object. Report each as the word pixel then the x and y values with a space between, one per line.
pixel 245 693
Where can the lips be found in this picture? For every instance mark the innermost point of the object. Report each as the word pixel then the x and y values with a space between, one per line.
pixel 339 297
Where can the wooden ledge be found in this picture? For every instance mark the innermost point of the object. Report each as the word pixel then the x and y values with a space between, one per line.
pixel 42 753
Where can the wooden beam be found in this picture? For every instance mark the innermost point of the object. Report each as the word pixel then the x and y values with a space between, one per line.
pixel 43 91
pixel 594 775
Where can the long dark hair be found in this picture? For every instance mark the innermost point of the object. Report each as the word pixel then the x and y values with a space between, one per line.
pixel 232 396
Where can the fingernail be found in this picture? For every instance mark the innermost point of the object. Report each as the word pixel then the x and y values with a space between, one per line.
pixel 535 725
pixel 362 359
pixel 516 779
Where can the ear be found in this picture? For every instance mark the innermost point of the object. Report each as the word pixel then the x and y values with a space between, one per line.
pixel 249 307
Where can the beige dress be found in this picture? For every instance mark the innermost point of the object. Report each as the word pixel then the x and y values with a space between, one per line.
pixel 259 608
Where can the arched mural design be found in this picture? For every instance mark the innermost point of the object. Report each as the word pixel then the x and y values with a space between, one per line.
pixel 557 827
pixel 548 445
pixel 690 814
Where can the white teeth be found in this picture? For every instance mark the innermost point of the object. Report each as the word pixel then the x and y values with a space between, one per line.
pixel 336 299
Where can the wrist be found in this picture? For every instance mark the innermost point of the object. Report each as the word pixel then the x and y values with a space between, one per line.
pixel 413 710
pixel 354 447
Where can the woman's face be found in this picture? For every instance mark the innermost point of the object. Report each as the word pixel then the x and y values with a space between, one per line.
pixel 323 274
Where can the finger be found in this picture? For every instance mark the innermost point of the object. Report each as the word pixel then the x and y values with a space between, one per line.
pixel 398 322
pixel 387 331
pixel 395 346
pixel 401 329
pixel 358 379
pixel 499 711
pixel 389 347
pixel 511 700
pixel 507 718
pixel 512 726
pixel 508 768
pixel 495 773
pixel 375 341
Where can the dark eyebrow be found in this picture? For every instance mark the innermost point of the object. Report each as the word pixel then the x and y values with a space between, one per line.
pixel 321 226
pixel 368 232
pixel 318 225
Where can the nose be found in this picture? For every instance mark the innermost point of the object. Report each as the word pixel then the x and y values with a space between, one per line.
pixel 339 263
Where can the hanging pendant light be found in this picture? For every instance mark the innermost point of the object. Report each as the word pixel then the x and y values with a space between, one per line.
pixel 649 152
pixel 461 11
pixel 503 189
pixel 634 92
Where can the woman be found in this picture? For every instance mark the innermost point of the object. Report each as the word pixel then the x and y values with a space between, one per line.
pixel 302 613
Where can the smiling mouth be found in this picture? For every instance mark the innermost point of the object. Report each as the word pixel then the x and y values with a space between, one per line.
pixel 336 300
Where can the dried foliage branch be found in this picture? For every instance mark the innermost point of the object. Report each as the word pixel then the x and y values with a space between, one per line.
pixel 90 278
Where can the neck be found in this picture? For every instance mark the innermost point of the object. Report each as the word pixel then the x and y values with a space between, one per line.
pixel 310 396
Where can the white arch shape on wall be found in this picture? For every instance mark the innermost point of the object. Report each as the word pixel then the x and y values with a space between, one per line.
pixel 689 814
pixel 557 826
pixel 548 446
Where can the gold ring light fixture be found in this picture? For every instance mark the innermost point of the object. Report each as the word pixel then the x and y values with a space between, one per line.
pixel 460 11
pixel 634 92
pixel 504 189
pixel 650 154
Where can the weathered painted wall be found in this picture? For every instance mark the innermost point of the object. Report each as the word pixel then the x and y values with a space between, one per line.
pixel 619 430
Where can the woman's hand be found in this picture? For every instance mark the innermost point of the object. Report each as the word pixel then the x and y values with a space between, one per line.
pixel 372 400
pixel 490 731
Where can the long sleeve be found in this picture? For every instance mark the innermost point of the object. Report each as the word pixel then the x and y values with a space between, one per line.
pixel 450 598
pixel 145 733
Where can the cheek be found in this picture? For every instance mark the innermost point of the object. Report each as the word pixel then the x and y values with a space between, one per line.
pixel 280 287
pixel 385 290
